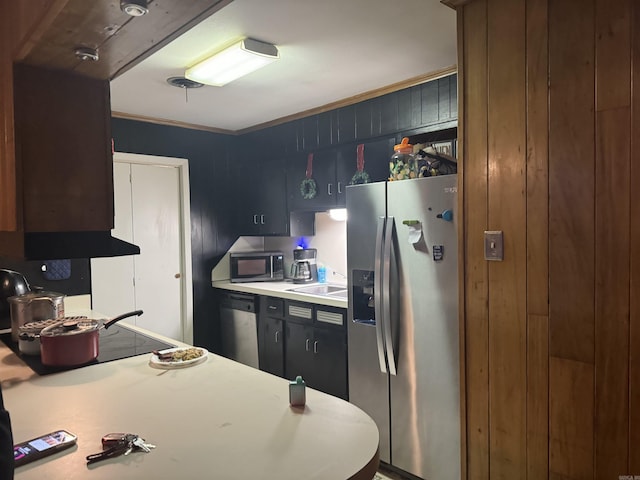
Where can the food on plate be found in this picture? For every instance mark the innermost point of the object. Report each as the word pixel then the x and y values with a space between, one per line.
pixel 180 355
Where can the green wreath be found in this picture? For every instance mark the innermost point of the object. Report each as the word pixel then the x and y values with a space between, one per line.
pixel 308 188
pixel 359 178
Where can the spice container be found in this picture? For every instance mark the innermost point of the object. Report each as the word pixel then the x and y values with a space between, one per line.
pixel 403 163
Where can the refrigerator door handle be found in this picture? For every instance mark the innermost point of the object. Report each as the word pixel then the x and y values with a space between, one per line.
pixel 377 292
pixel 386 296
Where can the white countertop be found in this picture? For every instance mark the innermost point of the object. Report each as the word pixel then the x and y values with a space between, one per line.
pixel 282 290
pixel 219 419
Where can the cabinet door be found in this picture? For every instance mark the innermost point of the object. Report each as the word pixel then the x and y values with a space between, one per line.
pixel 323 173
pixel 63 146
pixel 260 198
pixel 271 355
pixel 245 199
pixel 330 362
pixel 271 204
pixel 299 353
pixel 377 154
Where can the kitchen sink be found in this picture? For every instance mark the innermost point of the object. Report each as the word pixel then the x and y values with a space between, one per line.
pixel 339 294
pixel 325 290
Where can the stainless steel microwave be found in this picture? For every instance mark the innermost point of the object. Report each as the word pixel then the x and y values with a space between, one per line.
pixel 256 266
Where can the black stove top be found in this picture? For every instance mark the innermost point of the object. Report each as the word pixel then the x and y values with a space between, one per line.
pixel 116 342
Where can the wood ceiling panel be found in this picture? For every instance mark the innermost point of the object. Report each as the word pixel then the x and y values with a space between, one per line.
pixel 121 40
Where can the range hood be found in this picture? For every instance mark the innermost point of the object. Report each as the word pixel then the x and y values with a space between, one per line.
pixel 63 245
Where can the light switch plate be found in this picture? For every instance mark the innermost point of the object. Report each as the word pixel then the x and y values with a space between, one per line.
pixel 493 245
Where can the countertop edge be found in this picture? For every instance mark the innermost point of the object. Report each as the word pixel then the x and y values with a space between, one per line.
pixel 281 290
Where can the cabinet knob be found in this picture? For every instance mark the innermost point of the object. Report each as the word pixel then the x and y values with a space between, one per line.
pixel 339 187
pixel 315 347
pixel 177 275
pixel 306 344
pixel 328 189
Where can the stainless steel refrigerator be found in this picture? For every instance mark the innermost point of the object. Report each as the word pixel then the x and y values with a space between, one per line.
pixel 404 365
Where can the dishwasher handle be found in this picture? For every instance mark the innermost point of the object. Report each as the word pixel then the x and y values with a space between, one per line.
pixel 237 301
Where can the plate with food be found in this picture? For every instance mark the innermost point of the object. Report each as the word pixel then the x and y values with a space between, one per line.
pixel 179 357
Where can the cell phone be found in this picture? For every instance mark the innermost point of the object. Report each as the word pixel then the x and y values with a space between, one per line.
pixel 43 446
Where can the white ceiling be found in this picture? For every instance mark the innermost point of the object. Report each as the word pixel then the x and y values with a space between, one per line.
pixel 330 51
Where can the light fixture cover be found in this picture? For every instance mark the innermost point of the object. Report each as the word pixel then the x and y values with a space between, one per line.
pixel 233 62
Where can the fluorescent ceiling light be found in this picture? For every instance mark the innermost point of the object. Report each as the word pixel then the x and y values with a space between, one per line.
pixel 233 62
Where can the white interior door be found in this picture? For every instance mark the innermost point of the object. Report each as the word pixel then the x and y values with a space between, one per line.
pixel 156 230
pixel 112 278
pixel 149 212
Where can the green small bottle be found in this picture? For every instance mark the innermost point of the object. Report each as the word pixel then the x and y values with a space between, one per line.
pixel 297 393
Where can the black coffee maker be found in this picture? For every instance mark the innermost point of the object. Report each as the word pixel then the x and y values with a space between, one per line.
pixel 304 268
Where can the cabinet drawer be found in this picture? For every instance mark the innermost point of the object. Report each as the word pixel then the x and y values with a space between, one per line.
pixel 274 307
pixel 331 317
pixel 300 311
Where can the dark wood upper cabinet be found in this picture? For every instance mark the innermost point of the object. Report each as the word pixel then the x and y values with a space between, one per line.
pixel 63 148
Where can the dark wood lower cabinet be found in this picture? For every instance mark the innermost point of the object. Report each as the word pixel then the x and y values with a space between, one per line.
pixel 290 346
pixel 271 335
pixel 321 354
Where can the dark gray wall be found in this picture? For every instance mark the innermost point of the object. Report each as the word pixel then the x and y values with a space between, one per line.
pixel 210 235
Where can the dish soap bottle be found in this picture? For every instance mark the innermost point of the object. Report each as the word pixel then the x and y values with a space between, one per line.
pixel 322 274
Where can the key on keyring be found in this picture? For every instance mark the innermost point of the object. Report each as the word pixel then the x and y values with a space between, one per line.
pixel 112 439
pixel 115 447
pixel 140 443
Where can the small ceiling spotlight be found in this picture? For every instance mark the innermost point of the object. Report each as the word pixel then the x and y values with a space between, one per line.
pixel 86 53
pixel 135 8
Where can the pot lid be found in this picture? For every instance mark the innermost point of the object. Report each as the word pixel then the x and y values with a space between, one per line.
pixel 71 326
pixel 30 296
pixel 38 325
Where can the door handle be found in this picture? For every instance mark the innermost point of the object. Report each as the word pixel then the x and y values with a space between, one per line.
pixel 388 253
pixel 377 288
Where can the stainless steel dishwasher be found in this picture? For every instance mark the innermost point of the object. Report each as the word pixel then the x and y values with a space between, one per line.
pixel 239 328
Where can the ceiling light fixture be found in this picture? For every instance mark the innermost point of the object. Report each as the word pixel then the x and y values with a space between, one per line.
pixel 135 8
pixel 238 60
pixel 87 53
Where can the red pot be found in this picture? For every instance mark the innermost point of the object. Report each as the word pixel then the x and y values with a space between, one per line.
pixel 75 342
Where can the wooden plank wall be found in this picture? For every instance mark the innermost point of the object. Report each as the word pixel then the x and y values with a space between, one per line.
pixel 16 21
pixel 551 157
